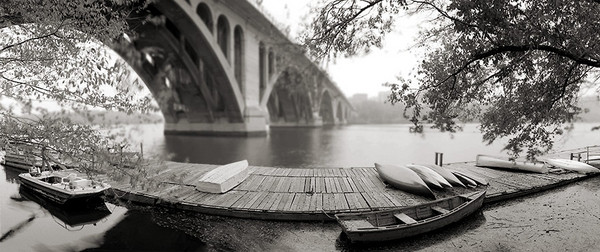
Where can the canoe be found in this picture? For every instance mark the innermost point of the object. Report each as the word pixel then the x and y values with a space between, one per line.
pixel 62 186
pixel 453 180
pixel 430 176
pixel 480 180
pixel 465 180
pixel 505 163
pixel 404 179
pixel 408 221
pixel 571 165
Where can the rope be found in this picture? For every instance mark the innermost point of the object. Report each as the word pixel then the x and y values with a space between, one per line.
pixel 333 218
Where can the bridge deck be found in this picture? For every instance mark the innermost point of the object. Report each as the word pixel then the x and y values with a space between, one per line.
pixel 311 194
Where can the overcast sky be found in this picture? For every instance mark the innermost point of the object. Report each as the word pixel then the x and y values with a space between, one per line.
pixel 360 74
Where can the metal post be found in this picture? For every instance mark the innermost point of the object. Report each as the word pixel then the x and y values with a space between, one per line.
pixel 439 158
pixel 587 154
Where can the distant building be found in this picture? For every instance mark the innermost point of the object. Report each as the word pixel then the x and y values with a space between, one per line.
pixel 383 96
pixel 356 98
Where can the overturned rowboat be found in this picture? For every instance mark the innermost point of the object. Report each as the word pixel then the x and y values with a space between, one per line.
pixel 571 165
pixel 506 164
pixel 408 221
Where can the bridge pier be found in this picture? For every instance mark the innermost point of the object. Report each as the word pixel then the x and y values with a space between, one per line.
pixel 254 124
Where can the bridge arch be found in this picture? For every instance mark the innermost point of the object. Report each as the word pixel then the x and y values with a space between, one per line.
pixel 217 80
pixel 238 55
pixel 289 103
pixel 262 70
pixel 205 14
pixel 223 35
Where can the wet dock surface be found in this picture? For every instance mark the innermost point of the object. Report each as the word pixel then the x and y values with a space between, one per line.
pixel 311 194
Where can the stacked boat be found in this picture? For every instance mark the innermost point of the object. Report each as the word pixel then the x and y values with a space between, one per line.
pixel 419 179
pixel 408 221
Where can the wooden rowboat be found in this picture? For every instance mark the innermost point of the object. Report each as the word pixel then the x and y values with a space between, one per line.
pixel 408 221
pixel 404 179
pixel 505 163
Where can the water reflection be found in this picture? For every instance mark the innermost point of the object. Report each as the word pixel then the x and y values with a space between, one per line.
pixel 72 217
pixel 139 232
pixel 32 223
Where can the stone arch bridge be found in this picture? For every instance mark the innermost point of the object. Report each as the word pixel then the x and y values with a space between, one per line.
pixel 220 67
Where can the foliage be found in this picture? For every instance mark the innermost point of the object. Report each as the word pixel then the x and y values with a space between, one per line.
pixel 53 57
pixel 349 26
pixel 516 66
pixel 375 111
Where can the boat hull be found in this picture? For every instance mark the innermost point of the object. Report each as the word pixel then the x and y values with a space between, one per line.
pixel 494 162
pixel 404 179
pixel 449 176
pixel 388 233
pixel 59 194
pixel 572 165
pixel 465 180
pixel 425 172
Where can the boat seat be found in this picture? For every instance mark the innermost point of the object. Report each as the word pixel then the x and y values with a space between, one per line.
pixel 359 224
pixel 405 218
pixel 440 210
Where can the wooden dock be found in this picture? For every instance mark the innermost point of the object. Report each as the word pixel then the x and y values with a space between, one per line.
pixel 310 194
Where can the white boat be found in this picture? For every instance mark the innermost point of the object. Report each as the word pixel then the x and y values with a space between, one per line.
pixel 505 163
pixel 405 179
pixel 223 178
pixel 465 180
pixel 571 165
pixel 449 176
pixel 62 186
pixel 430 177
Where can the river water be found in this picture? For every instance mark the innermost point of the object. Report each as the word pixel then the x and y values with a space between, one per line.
pixel 558 217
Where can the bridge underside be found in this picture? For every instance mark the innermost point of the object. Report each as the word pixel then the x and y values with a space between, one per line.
pixel 213 77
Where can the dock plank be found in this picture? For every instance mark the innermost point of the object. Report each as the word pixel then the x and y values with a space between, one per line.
pixel 259 200
pixel 250 195
pixel 267 202
pixel 276 201
pixel 328 202
pixel 341 203
pixel 284 201
pixel 237 196
pixel 289 204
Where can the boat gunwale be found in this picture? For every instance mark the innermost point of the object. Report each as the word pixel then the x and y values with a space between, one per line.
pixel 469 199
pixel 68 193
